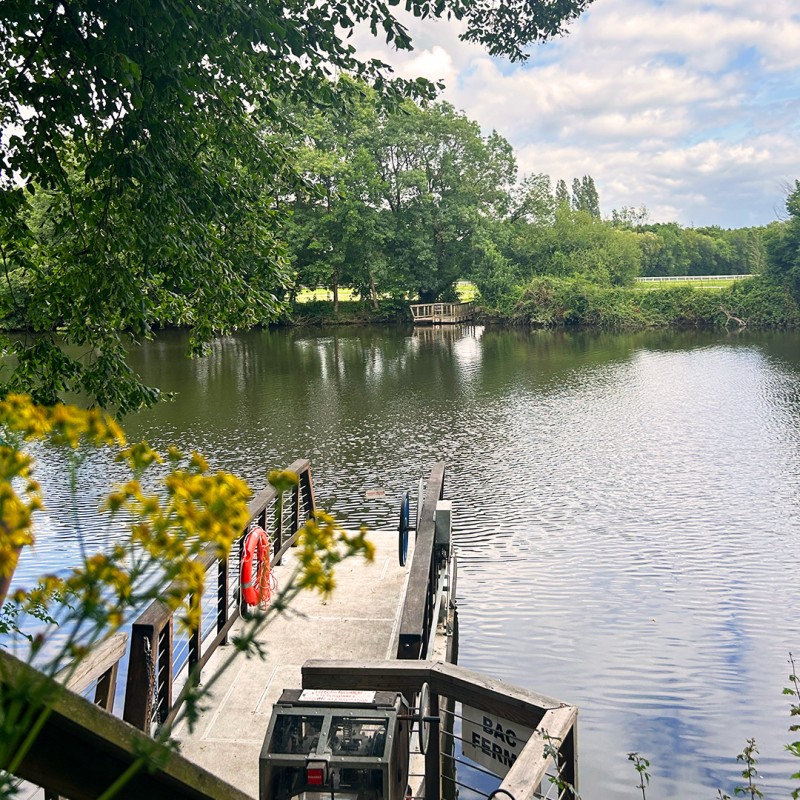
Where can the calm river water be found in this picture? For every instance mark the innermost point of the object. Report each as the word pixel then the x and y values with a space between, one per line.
pixel 626 510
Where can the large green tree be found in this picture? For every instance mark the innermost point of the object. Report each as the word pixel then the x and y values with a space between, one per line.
pixel 156 125
pixel 399 198
pixel 442 181
pixel 337 232
pixel 783 246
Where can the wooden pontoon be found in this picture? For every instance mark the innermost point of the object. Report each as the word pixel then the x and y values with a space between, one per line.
pixel 441 313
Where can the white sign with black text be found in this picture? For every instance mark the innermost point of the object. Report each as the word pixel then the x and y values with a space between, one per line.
pixel 491 741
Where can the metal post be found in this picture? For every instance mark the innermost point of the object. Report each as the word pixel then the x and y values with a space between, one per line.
pixel 223 585
pixel 433 756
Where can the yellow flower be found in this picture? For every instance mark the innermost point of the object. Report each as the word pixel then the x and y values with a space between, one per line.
pixel 140 456
pixel 282 480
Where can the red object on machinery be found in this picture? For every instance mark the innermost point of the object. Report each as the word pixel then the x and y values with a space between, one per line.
pixel 315 776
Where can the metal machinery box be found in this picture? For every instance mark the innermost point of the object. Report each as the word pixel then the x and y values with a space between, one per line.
pixel 346 745
pixel 444 523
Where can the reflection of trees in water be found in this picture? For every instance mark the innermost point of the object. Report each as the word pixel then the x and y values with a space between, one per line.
pixel 543 358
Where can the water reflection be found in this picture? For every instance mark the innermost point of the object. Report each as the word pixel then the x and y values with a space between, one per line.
pixel 627 509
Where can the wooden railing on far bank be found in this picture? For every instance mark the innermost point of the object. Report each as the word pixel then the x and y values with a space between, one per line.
pixel 442 313
pixel 159 658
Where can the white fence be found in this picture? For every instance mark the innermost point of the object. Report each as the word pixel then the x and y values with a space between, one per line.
pixel 686 278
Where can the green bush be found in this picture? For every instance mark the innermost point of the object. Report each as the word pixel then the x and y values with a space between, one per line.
pixel 549 301
pixel 351 312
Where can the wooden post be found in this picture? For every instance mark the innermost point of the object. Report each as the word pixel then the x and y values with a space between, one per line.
pixel 141 672
pixel 195 643
pixel 307 484
pixel 164 671
pixel 106 688
pixel 433 755
pixel 569 753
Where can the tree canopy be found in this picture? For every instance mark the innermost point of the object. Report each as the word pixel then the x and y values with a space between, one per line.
pixel 154 133
pixel 400 198
pixel 783 246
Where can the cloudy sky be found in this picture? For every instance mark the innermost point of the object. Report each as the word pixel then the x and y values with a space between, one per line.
pixel 689 108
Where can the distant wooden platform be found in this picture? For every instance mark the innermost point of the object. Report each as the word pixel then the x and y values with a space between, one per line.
pixel 442 313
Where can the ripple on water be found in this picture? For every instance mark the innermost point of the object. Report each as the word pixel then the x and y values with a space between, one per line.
pixel 626 511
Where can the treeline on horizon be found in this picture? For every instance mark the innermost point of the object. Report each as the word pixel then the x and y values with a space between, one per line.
pixel 399 203
pixel 200 173
pixel 403 203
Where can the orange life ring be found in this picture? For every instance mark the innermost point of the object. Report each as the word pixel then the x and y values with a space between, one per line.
pixel 254 575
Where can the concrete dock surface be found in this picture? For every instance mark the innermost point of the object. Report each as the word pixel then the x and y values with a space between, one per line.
pixel 360 620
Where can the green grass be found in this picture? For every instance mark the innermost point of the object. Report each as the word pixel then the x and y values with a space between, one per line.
pixel 465 289
pixel 306 295
pixel 715 284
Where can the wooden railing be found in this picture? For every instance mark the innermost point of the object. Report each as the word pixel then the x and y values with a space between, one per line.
pixel 437 313
pixel 417 619
pixel 156 660
pixel 81 750
pixel 99 669
pixel 548 758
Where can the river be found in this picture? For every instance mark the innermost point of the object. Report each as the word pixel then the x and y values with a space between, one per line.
pixel 625 506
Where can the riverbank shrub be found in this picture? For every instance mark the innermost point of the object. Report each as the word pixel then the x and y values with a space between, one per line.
pixel 352 312
pixel 553 302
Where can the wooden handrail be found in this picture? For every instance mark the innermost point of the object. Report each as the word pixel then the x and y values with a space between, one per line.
pixel 417 618
pixel 150 666
pixel 449 680
pixel 557 727
pixel 99 666
pixel 553 722
pixel 81 750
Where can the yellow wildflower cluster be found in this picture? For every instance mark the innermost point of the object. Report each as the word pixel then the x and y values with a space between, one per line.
pixel 59 424
pixel 198 510
pixel 103 587
pixel 16 523
pixel 322 544
pixel 282 480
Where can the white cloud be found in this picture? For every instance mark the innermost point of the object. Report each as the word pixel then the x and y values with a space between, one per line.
pixel 691 107
pixel 435 64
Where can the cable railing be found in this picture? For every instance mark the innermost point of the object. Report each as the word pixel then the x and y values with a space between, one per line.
pixel 466 773
pixel 527 743
pixel 161 658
